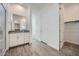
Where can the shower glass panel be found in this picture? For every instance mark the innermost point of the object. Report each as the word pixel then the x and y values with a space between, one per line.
pixel 2 29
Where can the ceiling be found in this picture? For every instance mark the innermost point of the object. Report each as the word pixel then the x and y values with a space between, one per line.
pixel 33 5
pixel 25 5
pixel 37 5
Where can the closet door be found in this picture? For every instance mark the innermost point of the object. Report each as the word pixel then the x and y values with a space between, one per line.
pixel 2 30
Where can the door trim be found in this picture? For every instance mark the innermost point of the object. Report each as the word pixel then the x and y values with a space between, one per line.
pixel 5 29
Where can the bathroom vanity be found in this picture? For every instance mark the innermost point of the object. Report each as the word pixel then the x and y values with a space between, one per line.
pixel 20 32
pixel 19 37
pixel 19 27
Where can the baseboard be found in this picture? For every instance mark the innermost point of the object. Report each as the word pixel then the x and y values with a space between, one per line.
pixel 71 44
pixel 19 45
pixel 50 46
pixel 53 48
pixel 44 43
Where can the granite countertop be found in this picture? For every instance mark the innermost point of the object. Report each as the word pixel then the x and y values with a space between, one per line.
pixel 22 31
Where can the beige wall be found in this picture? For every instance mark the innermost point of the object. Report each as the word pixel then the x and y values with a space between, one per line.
pixel 71 12
pixel 18 9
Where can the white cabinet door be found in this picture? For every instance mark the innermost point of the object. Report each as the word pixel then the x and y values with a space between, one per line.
pixel 20 38
pixel 11 37
pixel 13 40
pixel 27 37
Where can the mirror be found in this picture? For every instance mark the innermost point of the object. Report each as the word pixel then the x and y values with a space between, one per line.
pixel 20 22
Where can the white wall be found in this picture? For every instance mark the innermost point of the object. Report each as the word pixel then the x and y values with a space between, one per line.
pixel 71 33
pixel 35 23
pixel 19 10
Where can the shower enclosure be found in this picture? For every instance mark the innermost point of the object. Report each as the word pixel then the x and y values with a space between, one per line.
pixel 2 30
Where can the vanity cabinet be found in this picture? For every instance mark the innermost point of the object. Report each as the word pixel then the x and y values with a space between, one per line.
pixel 19 38
pixel 26 36
pixel 12 38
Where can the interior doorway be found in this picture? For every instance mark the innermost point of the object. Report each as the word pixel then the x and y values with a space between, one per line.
pixel 69 28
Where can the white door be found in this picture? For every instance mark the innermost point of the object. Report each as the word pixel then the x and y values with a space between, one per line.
pixel 2 30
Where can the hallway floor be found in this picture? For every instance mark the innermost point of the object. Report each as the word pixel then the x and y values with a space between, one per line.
pixel 40 49
pixel 36 49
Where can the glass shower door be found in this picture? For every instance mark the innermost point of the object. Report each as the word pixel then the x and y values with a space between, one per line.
pixel 2 30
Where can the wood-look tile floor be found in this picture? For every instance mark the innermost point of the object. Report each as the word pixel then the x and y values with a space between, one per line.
pixel 69 50
pixel 40 49
pixel 0 52
pixel 37 48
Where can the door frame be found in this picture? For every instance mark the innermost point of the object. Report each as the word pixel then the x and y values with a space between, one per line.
pixel 5 29
pixel 61 26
